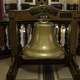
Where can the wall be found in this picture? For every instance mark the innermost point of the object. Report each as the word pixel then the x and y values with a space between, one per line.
pixel 72 1
pixel 10 1
pixel 23 1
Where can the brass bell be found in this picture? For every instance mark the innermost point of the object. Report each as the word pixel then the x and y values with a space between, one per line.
pixel 43 44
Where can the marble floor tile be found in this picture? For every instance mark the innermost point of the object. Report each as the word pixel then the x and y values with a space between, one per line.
pixel 4 66
pixel 28 72
pixel 64 74
pixel 31 72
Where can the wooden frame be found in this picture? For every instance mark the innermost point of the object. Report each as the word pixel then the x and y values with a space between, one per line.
pixel 21 16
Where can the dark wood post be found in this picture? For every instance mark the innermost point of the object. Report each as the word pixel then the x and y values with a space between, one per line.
pixel 1 28
pixel 74 37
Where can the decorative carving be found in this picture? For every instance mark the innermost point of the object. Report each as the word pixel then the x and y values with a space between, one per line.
pixel 43 10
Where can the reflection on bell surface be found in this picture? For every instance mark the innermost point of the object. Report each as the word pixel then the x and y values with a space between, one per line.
pixel 43 44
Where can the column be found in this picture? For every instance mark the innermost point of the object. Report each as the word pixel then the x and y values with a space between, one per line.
pixel 18 4
pixel 65 5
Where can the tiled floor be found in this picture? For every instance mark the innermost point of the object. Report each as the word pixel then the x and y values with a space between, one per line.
pixel 64 74
pixel 4 66
pixel 78 61
pixel 28 72
pixel 34 72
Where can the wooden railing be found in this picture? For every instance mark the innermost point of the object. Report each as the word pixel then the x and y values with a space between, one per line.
pixel 4 45
pixel 21 25
pixel 62 21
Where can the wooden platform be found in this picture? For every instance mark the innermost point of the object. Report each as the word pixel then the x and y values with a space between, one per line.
pixel 34 73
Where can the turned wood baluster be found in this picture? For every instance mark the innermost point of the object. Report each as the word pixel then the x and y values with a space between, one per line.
pixel 29 32
pixel 25 35
pixel 66 38
pixel 32 27
pixel 5 36
pixel 59 34
pixel 19 38
pixel 4 39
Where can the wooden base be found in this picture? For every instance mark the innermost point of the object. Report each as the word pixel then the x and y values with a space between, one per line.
pixel 4 53
pixel 11 75
pixel 74 69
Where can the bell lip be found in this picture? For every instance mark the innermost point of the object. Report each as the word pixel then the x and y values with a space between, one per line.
pixel 34 55
pixel 43 20
pixel 47 58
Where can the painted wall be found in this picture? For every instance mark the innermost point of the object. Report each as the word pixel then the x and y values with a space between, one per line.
pixel 10 1
pixel 62 1
pixel 72 1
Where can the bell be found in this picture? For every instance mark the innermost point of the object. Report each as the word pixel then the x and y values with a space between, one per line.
pixel 43 44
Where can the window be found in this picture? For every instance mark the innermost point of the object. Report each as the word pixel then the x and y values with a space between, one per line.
pixel 28 0
pixel 31 2
pixel 55 0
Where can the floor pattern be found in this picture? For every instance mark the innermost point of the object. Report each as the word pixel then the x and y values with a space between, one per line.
pixel 34 72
